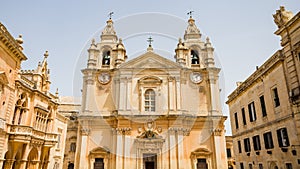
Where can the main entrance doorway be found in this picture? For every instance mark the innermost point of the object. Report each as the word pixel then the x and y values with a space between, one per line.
pixel 201 163
pixel 98 163
pixel 150 161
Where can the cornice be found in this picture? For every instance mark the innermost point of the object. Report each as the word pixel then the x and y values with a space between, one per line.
pixel 7 39
pixel 263 69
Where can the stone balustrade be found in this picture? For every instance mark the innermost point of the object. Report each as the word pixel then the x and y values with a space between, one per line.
pixel 29 132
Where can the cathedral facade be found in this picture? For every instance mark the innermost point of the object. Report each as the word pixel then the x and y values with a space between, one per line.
pixel 150 112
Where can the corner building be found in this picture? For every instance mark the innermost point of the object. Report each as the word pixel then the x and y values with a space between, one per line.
pixel 150 112
pixel 264 109
pixel 31 128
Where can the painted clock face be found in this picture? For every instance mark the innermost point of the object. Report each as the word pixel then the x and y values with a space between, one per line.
pixel 104 78
pixel 196 77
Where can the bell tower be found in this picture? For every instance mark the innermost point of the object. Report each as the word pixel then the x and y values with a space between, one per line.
pixel 198 56
pixel 109 52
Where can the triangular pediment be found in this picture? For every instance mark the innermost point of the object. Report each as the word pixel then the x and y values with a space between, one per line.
pixel 150 60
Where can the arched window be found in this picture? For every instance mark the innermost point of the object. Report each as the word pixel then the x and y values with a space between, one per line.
pixel 194 57
pixel 20 109
pixel 106 58
pixel 150 100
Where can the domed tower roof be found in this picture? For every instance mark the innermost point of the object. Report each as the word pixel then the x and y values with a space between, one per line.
pixel 192 32
pixel 109 33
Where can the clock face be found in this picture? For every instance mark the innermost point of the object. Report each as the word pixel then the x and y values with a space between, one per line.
pixel 104 78
pixel 196 77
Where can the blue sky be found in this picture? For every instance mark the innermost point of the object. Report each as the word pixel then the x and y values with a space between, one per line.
pixel 240 31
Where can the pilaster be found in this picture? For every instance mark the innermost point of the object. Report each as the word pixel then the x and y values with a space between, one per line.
pixel 83 160
pixel 220 148
pixel 172 149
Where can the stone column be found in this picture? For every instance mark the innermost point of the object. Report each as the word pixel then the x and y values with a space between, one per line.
pixel 8 164
pixel 24 157
pixel 1 163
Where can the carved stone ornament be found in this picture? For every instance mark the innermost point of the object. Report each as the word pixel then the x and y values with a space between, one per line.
pixel 282 16
pixel 180 130
pixel 218 132
pixel 150 131
pixel 192 28
pixel 109 29
pixel 123 131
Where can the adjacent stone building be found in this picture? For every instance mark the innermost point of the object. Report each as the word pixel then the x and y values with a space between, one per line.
pixel 264 109
pixel 70 107
pixel 29 122
pixel 150 112
pixel 230 153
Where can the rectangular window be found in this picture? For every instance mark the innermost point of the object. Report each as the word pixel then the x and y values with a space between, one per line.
pixel 282 136
pixel 228 150
pixel 260 166
pixel 256 143
pixel 242 165
pixel 244 116
pixel 289 166
pixel 236 120
pixel 263 106
pixel 239 146
pixel 275 97
pixel 252 113
pixel 268 140
pixel 247 146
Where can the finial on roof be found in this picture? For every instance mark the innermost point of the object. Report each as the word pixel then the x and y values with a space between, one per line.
pixel 207 43
pixel 19 39
pixel 46 54
pixel 207 40
pixel 190 13
pixel 56 93
pixel 110 14
pixel 93 41
pixel 150 40
pixel 120 41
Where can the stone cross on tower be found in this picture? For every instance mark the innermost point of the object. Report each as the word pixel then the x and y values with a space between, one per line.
pixel 150 40
pixel 110 14
pixel 190 13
